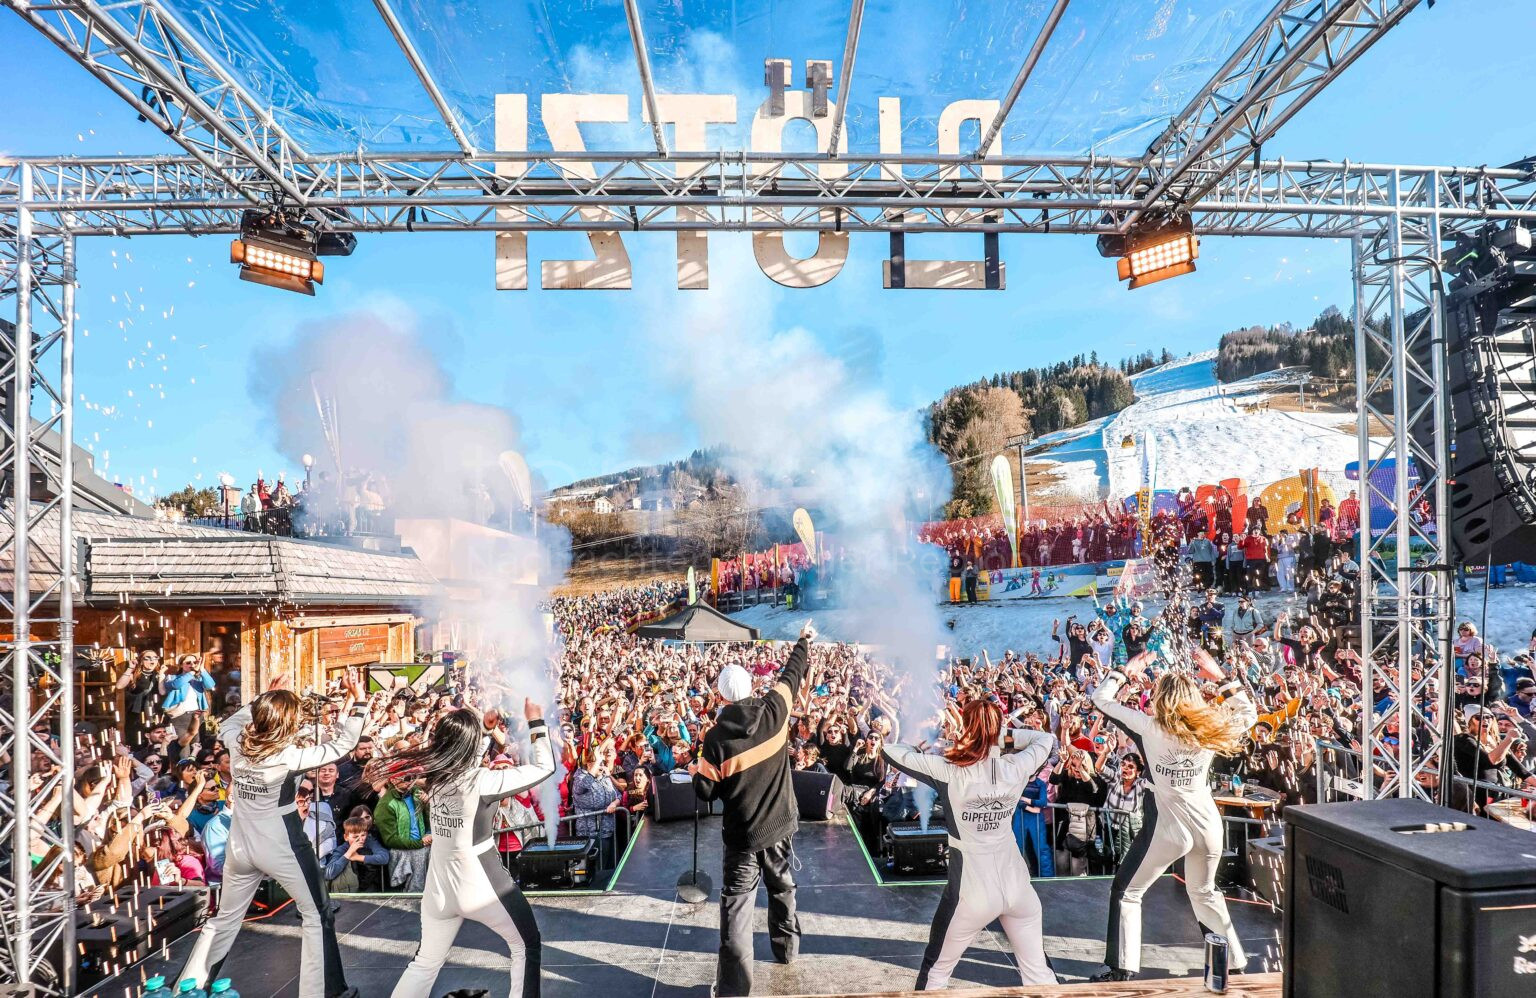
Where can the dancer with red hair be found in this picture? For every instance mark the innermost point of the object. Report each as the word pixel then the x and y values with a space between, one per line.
pixel 979 787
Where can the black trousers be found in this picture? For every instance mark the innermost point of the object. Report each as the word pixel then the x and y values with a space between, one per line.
pixel 738 899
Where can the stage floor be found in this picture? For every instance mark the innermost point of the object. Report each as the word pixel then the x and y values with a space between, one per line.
pixel 639 941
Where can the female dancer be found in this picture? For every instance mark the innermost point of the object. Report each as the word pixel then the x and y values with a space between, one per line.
pixel 1178 741
pixel 988 877
pixel 465 878
pixel 265 836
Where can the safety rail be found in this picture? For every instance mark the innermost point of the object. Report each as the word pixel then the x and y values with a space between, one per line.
pixel 1328 781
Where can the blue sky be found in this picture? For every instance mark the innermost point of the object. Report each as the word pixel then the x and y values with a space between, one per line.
pixel 167 333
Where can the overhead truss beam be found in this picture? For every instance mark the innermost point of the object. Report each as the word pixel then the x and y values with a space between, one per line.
pixel 1025 71
pixel 143 53
pixel 845 73
pixel 643 67
pixel 747 191
pixel 1300 48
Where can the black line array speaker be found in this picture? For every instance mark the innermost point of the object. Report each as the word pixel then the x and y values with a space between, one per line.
pixel 1387 898
pixel 1490 332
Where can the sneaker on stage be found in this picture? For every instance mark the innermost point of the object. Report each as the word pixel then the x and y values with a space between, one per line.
pixel 1114 975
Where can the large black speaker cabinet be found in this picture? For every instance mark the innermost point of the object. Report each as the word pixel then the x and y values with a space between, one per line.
pixel 1382 903
pixel 816 794
pixel 1489 327
pixel 674 801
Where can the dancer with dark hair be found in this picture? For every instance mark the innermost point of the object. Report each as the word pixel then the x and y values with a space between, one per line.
pixel 266 838
pixel 1178 740
pixel 465 878
pixel 988 877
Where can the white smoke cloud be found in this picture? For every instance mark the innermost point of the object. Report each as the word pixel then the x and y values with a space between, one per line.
pixel 786 409
pixel 438 455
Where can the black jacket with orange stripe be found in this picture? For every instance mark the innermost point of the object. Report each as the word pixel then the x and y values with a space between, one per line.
pixel 745 762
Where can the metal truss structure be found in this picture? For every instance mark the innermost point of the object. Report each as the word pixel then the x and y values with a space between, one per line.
pixel 37 273
pixel 1405 570
pixel 743 191
pixel 1207 162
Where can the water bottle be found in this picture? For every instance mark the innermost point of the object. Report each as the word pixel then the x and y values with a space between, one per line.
pixel 155 988
pixel 222 988
pixel 189 989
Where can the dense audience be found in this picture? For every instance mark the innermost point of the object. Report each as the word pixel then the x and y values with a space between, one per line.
pixel 150 796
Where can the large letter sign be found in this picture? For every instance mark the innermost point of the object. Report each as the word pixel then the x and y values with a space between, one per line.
pixel 690 117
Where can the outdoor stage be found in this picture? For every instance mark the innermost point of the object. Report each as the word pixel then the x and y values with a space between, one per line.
pixel 638 941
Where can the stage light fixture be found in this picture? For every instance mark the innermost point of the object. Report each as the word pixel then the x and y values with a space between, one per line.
pixel 1159 256
pixel 1155 249
pixel 278 249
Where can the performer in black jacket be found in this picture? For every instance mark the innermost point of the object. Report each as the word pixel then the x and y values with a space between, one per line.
pixel 744 763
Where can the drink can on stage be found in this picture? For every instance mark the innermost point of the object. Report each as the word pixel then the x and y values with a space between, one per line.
pixel 1216 963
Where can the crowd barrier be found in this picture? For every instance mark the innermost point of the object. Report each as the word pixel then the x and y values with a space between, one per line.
pixel 1337 776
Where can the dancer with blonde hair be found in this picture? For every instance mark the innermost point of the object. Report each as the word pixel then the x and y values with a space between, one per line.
pixel 1179 738
pixel 988 877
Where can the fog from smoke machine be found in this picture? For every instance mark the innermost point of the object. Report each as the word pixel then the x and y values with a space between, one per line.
pixel 400 419
pixel 786 409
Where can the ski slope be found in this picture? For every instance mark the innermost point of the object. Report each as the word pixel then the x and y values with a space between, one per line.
pixel 1185 428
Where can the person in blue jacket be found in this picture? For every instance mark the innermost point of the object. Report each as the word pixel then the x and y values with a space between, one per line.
pixel 185 691
pixel 1032 828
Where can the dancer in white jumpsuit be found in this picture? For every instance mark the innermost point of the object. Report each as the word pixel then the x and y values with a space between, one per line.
pixel 465 878
pixel 988 877
pixel 266 838
pixel 1178 740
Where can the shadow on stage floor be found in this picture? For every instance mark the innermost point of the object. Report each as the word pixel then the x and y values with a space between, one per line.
pixel 639 941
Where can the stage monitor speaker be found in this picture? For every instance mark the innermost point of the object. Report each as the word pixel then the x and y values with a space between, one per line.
pixel 112 935
pixel 817 795
pixel 674 801
pixel 1266 869
pixel 1386 898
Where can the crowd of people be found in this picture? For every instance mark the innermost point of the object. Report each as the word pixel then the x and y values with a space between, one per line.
pixel 320 506
pixel 152 795
pixel 1097 534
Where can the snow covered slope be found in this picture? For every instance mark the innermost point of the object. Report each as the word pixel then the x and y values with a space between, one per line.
pixel 1185 428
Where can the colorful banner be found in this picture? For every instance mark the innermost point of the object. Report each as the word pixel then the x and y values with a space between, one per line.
pixel 805 531
pixel 1038 583
pixel 1002 484
pixel 1136 577
pixel 693 587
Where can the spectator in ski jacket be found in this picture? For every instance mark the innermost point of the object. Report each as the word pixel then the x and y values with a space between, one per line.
pixel 1244 621
pixel 1202 557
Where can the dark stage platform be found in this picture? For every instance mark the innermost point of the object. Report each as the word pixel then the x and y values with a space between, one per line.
pixel 639 941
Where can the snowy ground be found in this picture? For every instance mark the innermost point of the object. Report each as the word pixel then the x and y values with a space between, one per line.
pixel 1198 432
pixel 1025 625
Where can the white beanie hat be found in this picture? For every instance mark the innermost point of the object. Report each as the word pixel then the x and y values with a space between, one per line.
pixel 735 683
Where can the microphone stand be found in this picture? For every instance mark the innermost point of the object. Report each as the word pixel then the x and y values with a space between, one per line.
pixel 693 885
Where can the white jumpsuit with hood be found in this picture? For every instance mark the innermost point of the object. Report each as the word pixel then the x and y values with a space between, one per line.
pixel 988 877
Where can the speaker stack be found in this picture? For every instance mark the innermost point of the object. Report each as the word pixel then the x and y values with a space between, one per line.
pixel 1490 333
